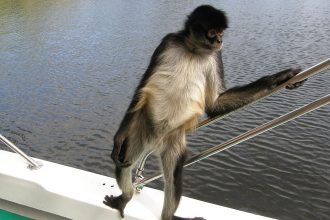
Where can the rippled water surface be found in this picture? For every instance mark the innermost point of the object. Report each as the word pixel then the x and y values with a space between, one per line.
pixel 69 68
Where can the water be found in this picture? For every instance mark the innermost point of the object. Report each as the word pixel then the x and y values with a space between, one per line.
pixel 69 68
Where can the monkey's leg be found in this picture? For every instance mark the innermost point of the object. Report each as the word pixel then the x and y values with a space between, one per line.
pixel 237 97
pixel 119 202
pixel 131 152
pixel 172 168
pixel 173 158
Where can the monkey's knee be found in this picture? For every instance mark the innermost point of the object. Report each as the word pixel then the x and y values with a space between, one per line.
pixel 123 164
pixel 119 154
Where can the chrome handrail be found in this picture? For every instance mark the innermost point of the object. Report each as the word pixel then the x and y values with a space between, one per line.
pixel 33 165
pixel 299 77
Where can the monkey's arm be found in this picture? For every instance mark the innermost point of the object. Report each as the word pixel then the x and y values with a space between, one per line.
pixel 237 97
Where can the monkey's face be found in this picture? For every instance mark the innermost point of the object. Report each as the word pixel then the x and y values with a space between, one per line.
pixel 205 26
pixel 207 39
pixel 214 38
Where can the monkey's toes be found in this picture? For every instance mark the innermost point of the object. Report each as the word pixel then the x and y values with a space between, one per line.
pixel 115 203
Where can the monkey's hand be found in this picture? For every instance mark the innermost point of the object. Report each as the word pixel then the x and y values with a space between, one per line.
pixel 283 76
pixel 119 151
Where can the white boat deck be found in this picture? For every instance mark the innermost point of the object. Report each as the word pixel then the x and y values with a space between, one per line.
pixel 66 192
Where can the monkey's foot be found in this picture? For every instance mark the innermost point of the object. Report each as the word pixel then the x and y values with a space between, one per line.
pixel 180 218
pixel 118 202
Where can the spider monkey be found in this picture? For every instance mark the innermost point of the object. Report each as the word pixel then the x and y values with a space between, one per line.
pixel 184 80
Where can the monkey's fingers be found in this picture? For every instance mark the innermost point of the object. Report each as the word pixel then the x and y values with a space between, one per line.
pixel 285 75
pixel 296 85
pixel 281 77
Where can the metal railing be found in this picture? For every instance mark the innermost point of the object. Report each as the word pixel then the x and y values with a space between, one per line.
pixel 33 165
pixel 140 181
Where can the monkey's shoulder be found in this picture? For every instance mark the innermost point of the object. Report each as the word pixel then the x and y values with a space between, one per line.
pixel 165 43
pixel 168 41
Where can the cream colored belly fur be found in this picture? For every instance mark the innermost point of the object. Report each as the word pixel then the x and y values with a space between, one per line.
pixel 176 92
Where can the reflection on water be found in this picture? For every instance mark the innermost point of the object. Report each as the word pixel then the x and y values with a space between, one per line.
pixel 68 70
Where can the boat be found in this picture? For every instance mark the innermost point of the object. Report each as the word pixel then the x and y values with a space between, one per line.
pixel 55 191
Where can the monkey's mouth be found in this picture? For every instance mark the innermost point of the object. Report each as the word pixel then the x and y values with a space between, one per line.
pixel 218 46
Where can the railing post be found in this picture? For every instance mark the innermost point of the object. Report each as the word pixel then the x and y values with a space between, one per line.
pixel 33 165
pixel 139 171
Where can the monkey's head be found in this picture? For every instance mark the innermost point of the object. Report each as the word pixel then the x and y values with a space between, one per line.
pixel 205 27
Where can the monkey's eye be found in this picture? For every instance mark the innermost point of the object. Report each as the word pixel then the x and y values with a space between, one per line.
pixel 212 33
